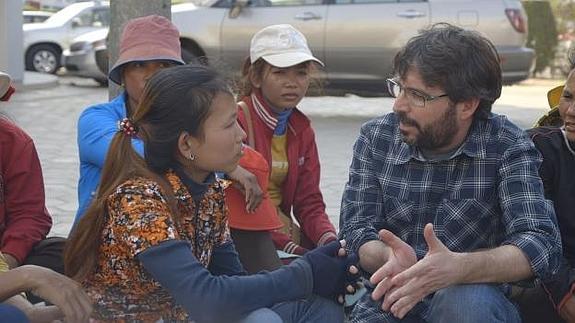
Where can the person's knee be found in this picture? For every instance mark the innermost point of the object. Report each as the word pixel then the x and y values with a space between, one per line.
pixel 472 303
pixel 262 315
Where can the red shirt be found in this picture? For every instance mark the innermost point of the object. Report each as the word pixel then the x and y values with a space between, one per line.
pixel 300 190
pixel 24 219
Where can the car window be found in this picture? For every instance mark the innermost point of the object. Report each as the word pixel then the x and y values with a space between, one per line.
pixel 101 17
pixel 97 17
pixel 373 1
pixel 283 3
pixel 270 3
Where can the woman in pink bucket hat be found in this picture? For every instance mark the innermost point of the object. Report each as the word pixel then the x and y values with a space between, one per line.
pixel 141 54
pixel 147 44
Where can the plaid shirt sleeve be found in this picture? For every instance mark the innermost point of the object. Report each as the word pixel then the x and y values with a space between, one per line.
pixel 529 218
pixel 361 202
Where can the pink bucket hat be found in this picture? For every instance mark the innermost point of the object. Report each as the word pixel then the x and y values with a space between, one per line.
pixel 281 46
pixel 147 38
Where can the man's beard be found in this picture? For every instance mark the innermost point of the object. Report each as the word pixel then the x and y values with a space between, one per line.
pixel 434 136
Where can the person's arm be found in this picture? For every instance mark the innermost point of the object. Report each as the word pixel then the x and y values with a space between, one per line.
pixel 27 219
pixel 308 205
pixel 528 218
pixel 248 184
pixel 542 140
pixel 35 313
pixel 58 289
pixel 362 205
pixel 211 298
pixel 284 243
pixel 96 127
pixel 225 260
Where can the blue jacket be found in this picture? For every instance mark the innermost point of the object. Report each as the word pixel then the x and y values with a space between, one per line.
pixel 96 127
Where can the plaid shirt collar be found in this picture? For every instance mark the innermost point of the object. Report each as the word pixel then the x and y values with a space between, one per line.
pixel 474 146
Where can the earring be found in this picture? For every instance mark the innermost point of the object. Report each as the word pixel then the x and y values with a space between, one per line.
pixel 192 157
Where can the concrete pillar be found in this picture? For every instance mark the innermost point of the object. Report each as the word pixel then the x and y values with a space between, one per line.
pixel 120 13
pixel 11 35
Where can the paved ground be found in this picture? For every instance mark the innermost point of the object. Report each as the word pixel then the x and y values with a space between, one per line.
pixel 50 115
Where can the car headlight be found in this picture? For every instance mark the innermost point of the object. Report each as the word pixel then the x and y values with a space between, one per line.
pixel 99 43
pixel 78 46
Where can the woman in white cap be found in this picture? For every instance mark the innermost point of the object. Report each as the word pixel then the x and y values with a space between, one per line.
pixel 25 222
pixel 147 44
pixel 276 77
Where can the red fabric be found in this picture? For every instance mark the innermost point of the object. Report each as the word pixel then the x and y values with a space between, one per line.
pixel 24 220
pixel 300 191
pixel 265 216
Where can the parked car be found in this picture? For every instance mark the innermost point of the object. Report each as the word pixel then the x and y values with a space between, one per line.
pixel 34 16
pixel 44 42
pixel 357 39
pixel 87 56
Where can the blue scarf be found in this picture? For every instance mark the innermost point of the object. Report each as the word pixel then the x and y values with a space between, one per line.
pixel 282 118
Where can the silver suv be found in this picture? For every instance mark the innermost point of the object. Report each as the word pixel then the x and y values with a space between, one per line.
pixel 357 39
pixel 45 41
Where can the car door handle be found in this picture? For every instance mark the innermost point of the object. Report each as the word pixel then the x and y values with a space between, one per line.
pixel 410 14
pixel 307 16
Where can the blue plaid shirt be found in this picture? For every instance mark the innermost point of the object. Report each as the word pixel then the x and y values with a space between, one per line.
pixel 487 194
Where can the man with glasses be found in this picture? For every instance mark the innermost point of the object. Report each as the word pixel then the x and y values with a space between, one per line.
pixel 444 203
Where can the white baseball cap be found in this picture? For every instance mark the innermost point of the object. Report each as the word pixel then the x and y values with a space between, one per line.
pixel 4 84
pixel 281 46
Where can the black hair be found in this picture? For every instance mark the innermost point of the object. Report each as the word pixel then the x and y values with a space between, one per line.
pixel 462 62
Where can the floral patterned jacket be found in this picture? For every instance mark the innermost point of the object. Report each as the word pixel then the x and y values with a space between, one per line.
pixel 139 218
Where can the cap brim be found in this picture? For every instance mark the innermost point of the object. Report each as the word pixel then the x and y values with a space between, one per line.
pixel 290 59
pixel 115 74
pixel 4 83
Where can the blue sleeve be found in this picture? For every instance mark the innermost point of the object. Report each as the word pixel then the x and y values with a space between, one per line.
pixel 225 261
pixel 11 314
pixel 96 128
pixel 205 296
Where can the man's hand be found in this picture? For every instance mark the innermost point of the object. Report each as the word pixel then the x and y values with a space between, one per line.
pixel 401 257
pixel 248 184
pixel 437 270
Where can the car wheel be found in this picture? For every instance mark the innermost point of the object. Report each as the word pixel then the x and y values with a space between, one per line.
pixel 43 58
pixel 102 60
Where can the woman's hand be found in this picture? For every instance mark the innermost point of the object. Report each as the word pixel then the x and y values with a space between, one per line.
pixel 248 184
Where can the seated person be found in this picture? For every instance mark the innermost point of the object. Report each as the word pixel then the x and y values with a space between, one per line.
pixel 155 243
pixel 557 145
pixel 25 223
pixel 444 203
pixel 250 231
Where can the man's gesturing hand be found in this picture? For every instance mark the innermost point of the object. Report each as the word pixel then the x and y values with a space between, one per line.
pixel 400 257
pixel 437 270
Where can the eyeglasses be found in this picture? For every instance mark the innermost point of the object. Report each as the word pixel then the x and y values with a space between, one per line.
pixel 415 97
